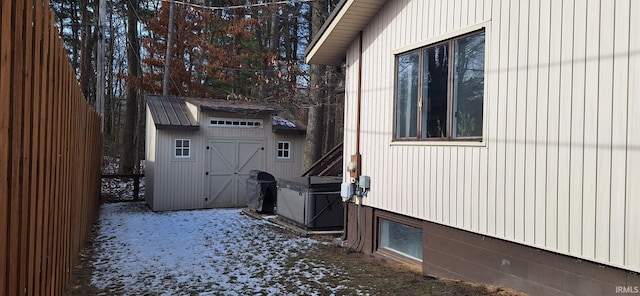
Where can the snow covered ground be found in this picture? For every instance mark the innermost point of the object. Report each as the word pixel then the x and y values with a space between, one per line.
pixel 202 252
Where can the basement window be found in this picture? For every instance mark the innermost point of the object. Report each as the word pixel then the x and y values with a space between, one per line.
pixel 182 148
pixel 401 239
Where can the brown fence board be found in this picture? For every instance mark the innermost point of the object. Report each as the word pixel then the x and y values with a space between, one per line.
pixel 38 142
pixel 52 268
pixel 45 154
pixel 49 160
pixel 27 145
pixel 48 133
pixel 16 165
pixel 5 115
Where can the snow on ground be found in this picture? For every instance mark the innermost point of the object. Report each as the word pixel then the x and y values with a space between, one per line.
pixel 201 252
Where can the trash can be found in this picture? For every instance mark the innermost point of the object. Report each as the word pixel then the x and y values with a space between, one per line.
pixel 311 202
pixel 261 192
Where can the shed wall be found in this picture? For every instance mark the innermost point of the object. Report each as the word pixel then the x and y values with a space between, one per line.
pixel 150 158
pixel 285 168
pixel 181 183
pixel 178 183
pixel 558 167
pixel 278 168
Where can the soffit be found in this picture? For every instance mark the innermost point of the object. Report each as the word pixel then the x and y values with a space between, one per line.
pixel 329 46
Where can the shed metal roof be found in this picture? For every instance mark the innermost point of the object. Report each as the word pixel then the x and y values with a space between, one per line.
pixel 349 17
pixel 171 113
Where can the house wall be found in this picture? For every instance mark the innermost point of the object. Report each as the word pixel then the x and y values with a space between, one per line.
pixel 458 254
pixel 558 167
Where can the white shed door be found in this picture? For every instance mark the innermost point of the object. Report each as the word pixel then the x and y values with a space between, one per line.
pixel 228 169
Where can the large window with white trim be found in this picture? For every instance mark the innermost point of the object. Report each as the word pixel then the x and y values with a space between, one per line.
pixel 440 90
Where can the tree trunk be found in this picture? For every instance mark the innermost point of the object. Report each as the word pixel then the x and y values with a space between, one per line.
pixel 330 113
pixel 169 56
pixel 315 125
pixel 108 99
pixel 87 73
pixel 133 57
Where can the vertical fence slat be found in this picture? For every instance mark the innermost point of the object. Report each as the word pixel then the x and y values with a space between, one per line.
pixel 66 196
pixel 49 158
pixel 36 155
pixel 16 139
pixel 45 154
pixel 57 170
pixel 26 200
pixel 5 154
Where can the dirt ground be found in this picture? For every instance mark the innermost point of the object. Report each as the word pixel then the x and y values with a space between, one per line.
pixel 369 274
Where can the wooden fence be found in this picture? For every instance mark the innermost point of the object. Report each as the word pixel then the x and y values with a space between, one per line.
pixel 50 148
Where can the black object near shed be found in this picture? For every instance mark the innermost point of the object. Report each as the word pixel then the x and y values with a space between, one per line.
pixel 261 192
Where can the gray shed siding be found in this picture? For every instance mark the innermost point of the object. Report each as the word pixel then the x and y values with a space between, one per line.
pixel 175 184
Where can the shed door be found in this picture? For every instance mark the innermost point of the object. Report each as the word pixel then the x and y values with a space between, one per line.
pixel 228 169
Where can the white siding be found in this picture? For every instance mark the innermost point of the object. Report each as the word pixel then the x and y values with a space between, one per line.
pixel 632 202
pixel 150 158
pixel 632 215
pixel 559 167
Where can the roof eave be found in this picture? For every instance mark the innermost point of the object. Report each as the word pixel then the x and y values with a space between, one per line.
pixel 177 127
pixel 239 110
pixel 349 17
pixel 278 129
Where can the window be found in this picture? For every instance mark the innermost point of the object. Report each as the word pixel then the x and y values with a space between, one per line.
pixel 400 238
pixel 234 122
pixel 284 150
pixel 182 148
pixel 440 90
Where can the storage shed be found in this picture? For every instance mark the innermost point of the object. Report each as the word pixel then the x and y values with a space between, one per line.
pixel 199 152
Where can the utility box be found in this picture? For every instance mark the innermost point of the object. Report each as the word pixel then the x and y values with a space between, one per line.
pixel 313 203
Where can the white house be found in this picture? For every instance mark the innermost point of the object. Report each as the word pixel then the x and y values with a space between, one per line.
pixel 199 152
pixel 502 138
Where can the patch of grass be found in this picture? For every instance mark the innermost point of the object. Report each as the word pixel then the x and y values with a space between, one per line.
pixel 376 276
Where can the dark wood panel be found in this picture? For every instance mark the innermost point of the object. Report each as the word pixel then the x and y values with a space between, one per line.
pixel 16 140
pixel 5 153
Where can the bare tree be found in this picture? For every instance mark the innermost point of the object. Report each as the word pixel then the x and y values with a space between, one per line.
pixel 128 155
pixel 317 92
